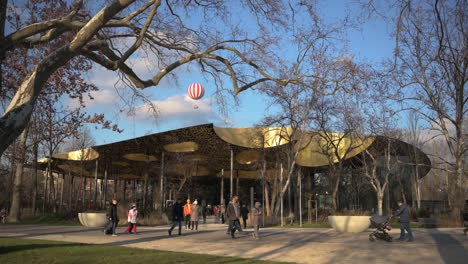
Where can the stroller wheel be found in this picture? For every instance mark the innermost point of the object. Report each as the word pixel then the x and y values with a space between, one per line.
pixel 371 238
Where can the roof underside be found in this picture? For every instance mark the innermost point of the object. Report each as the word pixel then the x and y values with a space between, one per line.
pixel 205 150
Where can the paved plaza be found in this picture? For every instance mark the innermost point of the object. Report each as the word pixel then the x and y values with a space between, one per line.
pixel 290 245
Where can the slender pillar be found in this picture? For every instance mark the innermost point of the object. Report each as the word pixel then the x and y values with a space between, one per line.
pixel 263 193
pixel 237 182
pixel 95 184
pixel 161 184
pixel 45 189
pixel 281 194
pixel 124 190
pixel 300 197
pixel 221 199
pixel 134 190
pixel 61 192
pixel 145 186
pixel 105 189
pixel 232 172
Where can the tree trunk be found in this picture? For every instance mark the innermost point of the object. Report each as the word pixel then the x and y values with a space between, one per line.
pixel 14 215
pixel 267 201
pixel 18 113
pixel 380 195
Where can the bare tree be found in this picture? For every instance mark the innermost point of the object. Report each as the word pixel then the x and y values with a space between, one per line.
pixel 432 62
pixel 163 29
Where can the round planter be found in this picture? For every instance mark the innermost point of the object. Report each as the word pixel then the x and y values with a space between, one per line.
pixel 93 219
pixel 351 224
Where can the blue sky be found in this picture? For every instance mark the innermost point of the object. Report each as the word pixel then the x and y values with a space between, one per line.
pixel 372 43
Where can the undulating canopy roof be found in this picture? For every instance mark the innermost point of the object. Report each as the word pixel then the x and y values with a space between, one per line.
pixel 205 150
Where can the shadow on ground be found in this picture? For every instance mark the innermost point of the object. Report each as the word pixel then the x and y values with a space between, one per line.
pixel 10 249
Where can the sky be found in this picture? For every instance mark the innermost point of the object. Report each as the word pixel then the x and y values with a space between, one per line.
pixel 372 42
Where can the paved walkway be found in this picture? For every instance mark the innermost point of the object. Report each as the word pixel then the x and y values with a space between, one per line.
pixel 290 245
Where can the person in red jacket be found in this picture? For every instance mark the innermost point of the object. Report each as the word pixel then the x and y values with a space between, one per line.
pixel 187 213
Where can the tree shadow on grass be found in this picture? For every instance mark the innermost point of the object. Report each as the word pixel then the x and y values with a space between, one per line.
pixel 15 248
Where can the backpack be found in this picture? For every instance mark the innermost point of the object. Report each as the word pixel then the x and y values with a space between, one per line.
pixel 127 213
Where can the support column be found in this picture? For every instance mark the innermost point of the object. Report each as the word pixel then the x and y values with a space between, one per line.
pixel 281 194
pixel 300 197
pixel 61 192
pixel 237 182
pixel 221 199
pixel 232 172
pixel 161 184
pixel 95 185
pixel 105 189
pixel 145 186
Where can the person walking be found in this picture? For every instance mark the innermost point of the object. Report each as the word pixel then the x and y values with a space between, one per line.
pixel 405 215
pixel 187 212
pixel 232 214
pixel 113 216
pixel 195 215
pixel 245 215
pixel 256 213
pixel 177 216
pixel 205 212
pixel 132 219
pixel 216 214
pixel 3 215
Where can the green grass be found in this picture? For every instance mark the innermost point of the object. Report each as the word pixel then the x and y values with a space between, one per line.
pixel 48 219
pixel 13 250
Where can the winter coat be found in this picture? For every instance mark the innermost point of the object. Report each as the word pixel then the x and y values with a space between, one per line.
pixel 244 212
pixel 177 212
pixel 132 216
pixel 194 214
pixel 187 209
pixel 113 216
pixel 231 211
pixel 256 213
pixel 404 213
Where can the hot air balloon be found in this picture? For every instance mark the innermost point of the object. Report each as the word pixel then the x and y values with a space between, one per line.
pixel 195 91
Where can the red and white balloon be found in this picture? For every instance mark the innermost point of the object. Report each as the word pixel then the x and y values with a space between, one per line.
pixel 195 91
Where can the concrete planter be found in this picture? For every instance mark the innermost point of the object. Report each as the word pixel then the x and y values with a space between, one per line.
pixel 93 219
pixel 350 224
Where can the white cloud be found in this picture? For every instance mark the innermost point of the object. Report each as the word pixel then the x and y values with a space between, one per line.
pixel 179 108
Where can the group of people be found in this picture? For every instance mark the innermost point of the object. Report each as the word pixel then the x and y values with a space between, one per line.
pixel 113 218
pixel 190 213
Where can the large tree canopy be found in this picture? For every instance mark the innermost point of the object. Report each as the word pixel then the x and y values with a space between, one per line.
pixel 247 49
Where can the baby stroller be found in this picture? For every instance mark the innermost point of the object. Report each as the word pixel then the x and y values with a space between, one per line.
pixel 381 225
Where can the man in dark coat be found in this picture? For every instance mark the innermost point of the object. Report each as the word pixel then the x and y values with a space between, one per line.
pixel 245 214
pixel 177 217
pixel 232 215
pixel 405 215
pixel 113 216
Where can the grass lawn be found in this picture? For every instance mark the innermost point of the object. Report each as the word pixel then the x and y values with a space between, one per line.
pixel 13 250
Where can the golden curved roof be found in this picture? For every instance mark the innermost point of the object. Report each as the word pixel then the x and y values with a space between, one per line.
pixel 80 155
pixel 316 148
pixel 211 147
pixel 255 137
pixel 140 157
pixel 188 146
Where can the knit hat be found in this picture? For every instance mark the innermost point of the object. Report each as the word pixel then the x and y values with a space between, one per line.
pixel 195 202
